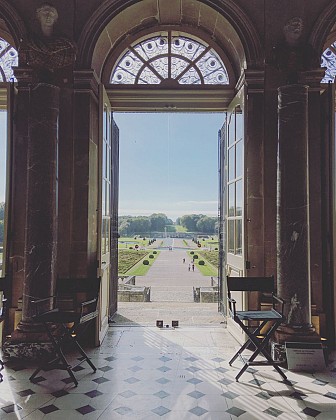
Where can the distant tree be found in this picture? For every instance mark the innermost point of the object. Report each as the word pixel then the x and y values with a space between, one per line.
pixel 178 221
pixel 124 228
pixel 1 231
pixel 2 211
pixel 189 221
pixel 206 224
pixel 158 221
pixel 140 224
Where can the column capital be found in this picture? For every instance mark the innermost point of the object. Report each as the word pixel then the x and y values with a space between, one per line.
pixel 24 75
pixel 312 78
pixel 254 79
pixel 86 80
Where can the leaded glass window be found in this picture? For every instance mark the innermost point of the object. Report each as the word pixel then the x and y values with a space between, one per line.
pixel 170 58
pixel 328 60
pixel 8 59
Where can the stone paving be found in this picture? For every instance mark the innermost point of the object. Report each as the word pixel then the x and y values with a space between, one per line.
pixel 171 292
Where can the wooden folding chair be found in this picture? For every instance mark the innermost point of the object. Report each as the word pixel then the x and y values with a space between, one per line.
pixel 259 317
pixel 74 304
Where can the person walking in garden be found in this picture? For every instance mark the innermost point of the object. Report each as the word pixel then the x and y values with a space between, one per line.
pixel 193 267
pixel 189 267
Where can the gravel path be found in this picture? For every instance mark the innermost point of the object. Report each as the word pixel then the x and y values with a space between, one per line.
pixel 169 278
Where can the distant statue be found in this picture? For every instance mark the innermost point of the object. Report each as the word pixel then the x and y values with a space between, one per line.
pixel 44 51
pixel 295 317
pixel 292 55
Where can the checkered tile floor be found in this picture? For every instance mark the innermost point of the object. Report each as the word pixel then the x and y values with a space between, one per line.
pixel 148 373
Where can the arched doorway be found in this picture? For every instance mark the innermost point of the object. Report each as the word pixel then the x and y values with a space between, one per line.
pixel 112 44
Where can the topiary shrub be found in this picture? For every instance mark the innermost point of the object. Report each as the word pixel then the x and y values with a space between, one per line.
pixel 216 249
pixel 201 262
pixel 145 262
pixel 195 257
pixel 130 247
pixel 151 256
pixel 192 252
pixel 154 252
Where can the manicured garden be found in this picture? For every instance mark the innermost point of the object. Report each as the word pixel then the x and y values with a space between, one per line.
pixel 134 262
pixel 205 266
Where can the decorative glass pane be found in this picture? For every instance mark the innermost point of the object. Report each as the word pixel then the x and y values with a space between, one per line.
pixel 152 47
pixel 148 77
pixel 127 69
pixel 212 69
pixel 177 66
pixel 186 47
pixel 231 200
pixel 239 237
pixel 8 59
pixel 231 247
pixel 328 60
pixel 191 77
pixel 171 60
pixel 161 66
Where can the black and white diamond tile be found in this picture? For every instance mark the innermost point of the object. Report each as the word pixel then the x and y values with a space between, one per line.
pixel 162 379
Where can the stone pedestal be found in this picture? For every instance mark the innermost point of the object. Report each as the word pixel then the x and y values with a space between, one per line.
pixel 41 205
pixel 292 206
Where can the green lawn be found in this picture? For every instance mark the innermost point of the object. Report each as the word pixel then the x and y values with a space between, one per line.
pixel 141 269
pixel 127 258
pixel 130 261
pixel 208 269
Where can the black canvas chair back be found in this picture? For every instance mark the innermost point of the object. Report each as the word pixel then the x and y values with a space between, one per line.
pixel 273 316
pixel 74 304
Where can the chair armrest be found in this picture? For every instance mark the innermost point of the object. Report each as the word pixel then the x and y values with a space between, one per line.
pixel 232 306
pixel 279 300
pixel 85 304
pixel 88 302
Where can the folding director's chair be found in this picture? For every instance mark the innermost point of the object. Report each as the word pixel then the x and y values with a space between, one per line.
pixel 261 318
pixel 63 317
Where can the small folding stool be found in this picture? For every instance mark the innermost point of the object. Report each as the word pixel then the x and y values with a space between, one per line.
pixel 275 317
pixel 64 320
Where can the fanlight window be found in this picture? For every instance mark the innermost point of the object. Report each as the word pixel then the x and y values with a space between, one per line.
pixel 8 59
pixel 328 60
pixel 170 58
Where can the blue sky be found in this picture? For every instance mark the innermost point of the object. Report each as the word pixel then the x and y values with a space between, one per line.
pixel 168 163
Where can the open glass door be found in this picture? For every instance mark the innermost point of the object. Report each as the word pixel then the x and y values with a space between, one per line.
pixel 328 198
pixel 7 92
pixel 108 187
pixel 232 176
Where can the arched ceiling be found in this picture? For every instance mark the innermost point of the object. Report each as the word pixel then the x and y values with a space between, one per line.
pixel 146 16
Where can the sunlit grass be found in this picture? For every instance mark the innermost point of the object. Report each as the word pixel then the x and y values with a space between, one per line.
pixel 207 269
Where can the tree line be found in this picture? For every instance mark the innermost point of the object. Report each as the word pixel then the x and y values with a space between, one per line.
pixel 159 222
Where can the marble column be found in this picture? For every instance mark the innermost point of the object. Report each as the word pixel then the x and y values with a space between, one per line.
pixel 41 211
pixel 292 205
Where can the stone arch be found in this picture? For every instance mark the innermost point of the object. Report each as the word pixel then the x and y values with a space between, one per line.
pixel 12 28
pixel 95 41
pixel 323 28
